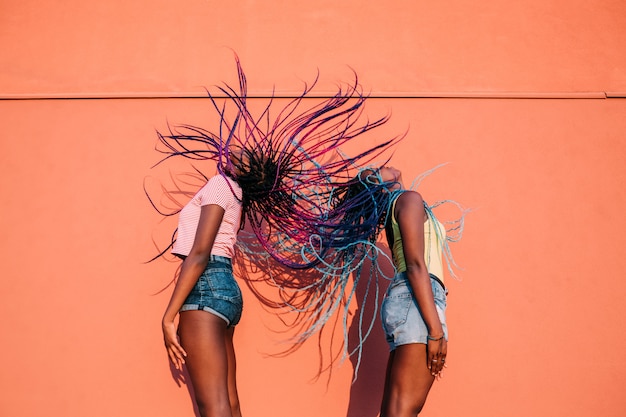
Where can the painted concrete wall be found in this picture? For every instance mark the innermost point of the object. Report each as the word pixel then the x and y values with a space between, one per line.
pixel 512 95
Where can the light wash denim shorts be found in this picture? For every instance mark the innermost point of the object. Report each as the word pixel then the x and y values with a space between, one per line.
pixel 402 321
pixel 217 292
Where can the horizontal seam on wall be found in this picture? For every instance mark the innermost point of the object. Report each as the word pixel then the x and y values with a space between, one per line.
pixel 290 95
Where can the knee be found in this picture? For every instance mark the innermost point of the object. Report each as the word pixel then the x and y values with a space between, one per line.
pixel 235 407
pixel 400 407
pixel 203 407
pixel 212 408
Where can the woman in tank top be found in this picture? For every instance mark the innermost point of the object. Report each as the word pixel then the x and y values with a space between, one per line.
pixel 413 310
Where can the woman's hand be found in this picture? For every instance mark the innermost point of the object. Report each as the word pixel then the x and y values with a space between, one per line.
pixel 174 350
pixel 437 351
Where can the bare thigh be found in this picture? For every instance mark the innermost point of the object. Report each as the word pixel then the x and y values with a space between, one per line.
pixel 232 373
pixel 203 336
pixel 407 382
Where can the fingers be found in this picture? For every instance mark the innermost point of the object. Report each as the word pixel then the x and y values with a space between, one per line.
pixel 439 375
pixel 437 352
pixel 437 371
pixel 176 355
pixel 175 351
pixel 436 365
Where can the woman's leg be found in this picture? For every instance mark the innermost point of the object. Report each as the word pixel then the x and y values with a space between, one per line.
pixel 203 336
pixel 232 374
pixel 407 383
pixel 383 404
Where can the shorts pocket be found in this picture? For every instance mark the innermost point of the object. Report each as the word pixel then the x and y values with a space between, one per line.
pixel 395 310
pixel 222 284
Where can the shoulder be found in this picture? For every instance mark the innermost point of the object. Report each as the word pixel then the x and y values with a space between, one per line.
pixel 212 185
pixel 220 182
pixel 409 198
pixel 217 180
pixel 409 207
pixel 220 187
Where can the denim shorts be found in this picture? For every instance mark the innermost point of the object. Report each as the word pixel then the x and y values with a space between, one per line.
pixel 217 292
pixel 402 321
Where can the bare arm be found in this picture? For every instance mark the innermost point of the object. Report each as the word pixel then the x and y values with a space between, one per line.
pixel 410 214
pixel 194 264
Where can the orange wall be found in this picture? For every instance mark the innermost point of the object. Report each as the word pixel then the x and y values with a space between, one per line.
pixel 535 321
pixel 398 47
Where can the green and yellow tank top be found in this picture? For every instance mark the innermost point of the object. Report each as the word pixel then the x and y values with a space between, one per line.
pixel 433 244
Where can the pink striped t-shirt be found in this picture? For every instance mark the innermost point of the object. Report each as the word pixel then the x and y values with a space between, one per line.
pixel 215 191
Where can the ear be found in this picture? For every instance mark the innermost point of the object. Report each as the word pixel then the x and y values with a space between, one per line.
pixel 369 176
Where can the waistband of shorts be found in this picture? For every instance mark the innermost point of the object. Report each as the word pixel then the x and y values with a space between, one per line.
pixel 439 281
pixel 402 275
pixel 218 258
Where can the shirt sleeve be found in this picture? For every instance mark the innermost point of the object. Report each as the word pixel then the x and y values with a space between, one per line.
pixel 216 191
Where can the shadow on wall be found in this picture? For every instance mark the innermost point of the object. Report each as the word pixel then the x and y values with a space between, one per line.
pixel 181 377
pixel 367 391
pixel 265 278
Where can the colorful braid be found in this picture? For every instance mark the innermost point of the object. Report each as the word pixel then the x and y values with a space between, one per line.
pixel 289 164
pixel 305 207
pixel 360 211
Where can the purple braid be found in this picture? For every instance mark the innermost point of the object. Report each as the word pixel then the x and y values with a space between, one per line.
pixel 290 166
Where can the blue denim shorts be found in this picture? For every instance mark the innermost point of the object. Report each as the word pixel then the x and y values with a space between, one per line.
pixel 400 315
pixel 217 292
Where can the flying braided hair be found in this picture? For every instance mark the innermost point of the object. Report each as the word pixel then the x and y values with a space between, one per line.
pixel 304 205
pixel 288 161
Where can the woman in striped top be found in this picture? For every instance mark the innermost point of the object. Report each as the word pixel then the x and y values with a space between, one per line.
pixel 207 296
pixel 276 171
